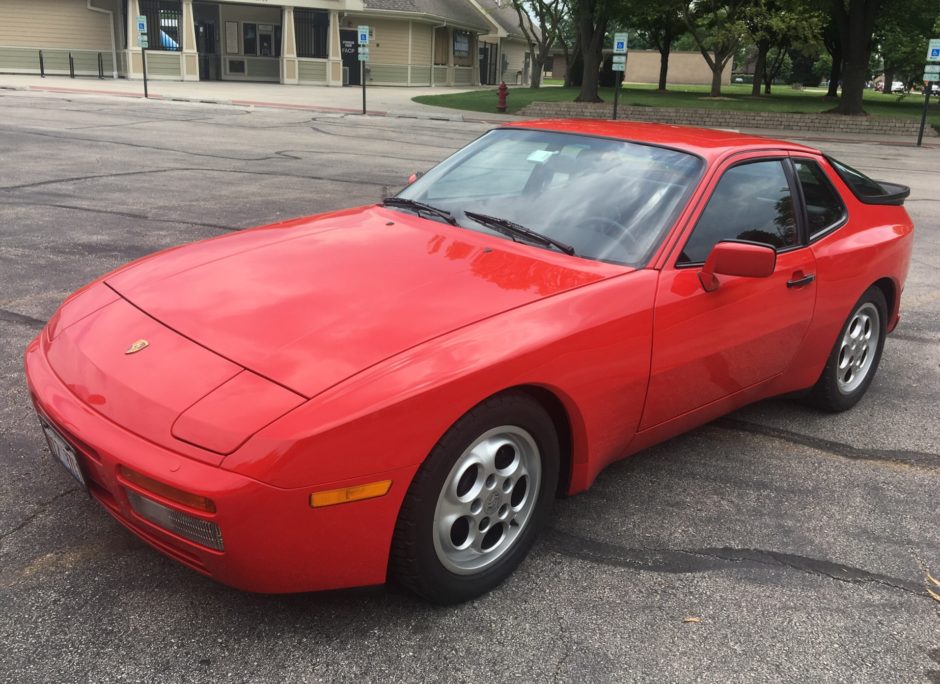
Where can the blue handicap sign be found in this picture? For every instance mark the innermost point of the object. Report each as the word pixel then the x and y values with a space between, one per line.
pixel 621 46
pixel 935 53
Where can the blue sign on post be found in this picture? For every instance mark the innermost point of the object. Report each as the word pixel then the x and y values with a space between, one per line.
pixel 933 50
pixel 141 23
pixel 620 43
pixel 363 35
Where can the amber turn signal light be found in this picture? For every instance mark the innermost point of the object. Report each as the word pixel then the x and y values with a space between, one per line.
pixel 200 503
pixel 331 497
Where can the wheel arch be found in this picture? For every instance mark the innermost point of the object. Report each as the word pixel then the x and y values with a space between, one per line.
pixel 890 290
pixel 556 410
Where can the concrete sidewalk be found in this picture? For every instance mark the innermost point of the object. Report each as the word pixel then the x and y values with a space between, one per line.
pixel 380 100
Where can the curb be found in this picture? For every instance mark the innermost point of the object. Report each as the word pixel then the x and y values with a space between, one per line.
pixel 427 116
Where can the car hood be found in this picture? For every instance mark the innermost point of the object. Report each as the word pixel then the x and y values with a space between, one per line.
pixel 310 302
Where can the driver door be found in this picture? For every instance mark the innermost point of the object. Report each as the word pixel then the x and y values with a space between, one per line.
pixel 710 345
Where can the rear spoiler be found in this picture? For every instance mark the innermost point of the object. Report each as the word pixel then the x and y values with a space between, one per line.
pixel 867 190
pixel 894 193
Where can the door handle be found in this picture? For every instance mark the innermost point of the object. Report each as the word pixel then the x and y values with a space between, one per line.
pixel 800 282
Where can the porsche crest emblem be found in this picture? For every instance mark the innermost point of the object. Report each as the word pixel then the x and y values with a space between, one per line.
pixel 137 346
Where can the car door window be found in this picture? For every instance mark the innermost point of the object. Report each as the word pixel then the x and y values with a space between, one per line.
pixel 824 208
pixel 753 202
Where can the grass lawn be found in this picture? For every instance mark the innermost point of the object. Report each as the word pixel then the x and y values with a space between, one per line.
pixel 783 99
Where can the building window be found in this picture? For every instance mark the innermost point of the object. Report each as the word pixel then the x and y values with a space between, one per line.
pixel 261 40
pixel 462 48
pixel 312 28
pixel 250 39
pixel 164 24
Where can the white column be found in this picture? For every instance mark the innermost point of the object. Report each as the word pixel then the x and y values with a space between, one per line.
pixel 132 53
pixel 289 66
pixel 190 57
pixel 410 38
pixel 450 56
pixel 334 68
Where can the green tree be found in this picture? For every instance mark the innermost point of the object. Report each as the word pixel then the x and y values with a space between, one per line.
pixel 776 26
pixel 658 25
pixel 901 34
pixel 542 32
pixel 718 29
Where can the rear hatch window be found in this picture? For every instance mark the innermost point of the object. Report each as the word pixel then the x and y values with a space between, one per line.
pixel 867 190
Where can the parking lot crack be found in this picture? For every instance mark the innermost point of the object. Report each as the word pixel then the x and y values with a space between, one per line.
pixel 125 214
pixel 687 561
pixel 918 459
pixel 40 509
pixel 12 317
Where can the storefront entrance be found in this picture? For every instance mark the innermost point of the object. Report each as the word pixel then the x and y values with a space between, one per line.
pixel 206 17
pixel 349 45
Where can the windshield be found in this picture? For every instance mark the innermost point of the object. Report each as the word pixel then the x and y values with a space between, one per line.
pixel 610 200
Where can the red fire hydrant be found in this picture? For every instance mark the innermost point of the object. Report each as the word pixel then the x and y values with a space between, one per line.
pixel 501 93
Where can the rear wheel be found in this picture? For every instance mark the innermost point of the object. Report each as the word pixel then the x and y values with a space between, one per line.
pixel 854 359
pixel 477 503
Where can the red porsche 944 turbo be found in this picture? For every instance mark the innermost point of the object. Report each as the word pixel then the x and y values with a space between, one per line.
pixel 401 390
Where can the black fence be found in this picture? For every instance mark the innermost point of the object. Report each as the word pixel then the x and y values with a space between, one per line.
pixel 312 29
pixel 164 24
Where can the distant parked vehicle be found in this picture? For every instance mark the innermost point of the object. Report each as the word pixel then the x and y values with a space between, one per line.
pixel 898 87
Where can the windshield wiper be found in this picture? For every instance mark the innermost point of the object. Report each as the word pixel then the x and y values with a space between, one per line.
pixel 511 228
pixel 419 207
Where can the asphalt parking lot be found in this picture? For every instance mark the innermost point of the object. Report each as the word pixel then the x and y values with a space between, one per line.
pixel 799 540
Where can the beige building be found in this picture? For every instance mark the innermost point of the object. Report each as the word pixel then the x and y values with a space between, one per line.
pixel 505 53
pixel 687 68
pixel 412 42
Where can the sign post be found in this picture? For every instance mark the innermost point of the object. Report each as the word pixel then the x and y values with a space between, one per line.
pixel 619 66
pixel 144 44
pixel 363 32
pixel 931 76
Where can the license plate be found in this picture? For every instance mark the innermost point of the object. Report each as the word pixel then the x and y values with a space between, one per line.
pixel 63 452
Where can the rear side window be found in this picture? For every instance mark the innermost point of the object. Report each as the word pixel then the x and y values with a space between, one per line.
pixel 752 201
pixel 868 190
pixel 824 207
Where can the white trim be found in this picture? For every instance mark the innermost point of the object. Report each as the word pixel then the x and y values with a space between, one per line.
pixel 110 14
pixel 409 51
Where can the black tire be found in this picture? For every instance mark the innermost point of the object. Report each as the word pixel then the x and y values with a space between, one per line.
pixel 829 394
pixel 416 560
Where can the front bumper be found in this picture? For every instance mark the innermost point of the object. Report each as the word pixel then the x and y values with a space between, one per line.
pixel 274 542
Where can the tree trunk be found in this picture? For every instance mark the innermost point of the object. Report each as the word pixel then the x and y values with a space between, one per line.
pixel 889 79
pixel 663 66
pixel 717 68
pixel 853 87
pixel 590 78
pixel 835 75
pixel 571 60
pixel 856 24
pixel 592 27
pixel 760 65
pixel 538 65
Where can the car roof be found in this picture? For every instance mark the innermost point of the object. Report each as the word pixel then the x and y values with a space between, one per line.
pixel 705 142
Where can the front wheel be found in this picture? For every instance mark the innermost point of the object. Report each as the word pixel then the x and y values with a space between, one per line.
pixel 855 357
pixel 477 503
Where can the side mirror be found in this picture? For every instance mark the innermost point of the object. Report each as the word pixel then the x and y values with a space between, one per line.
pixel 415 176
pixel 745 259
